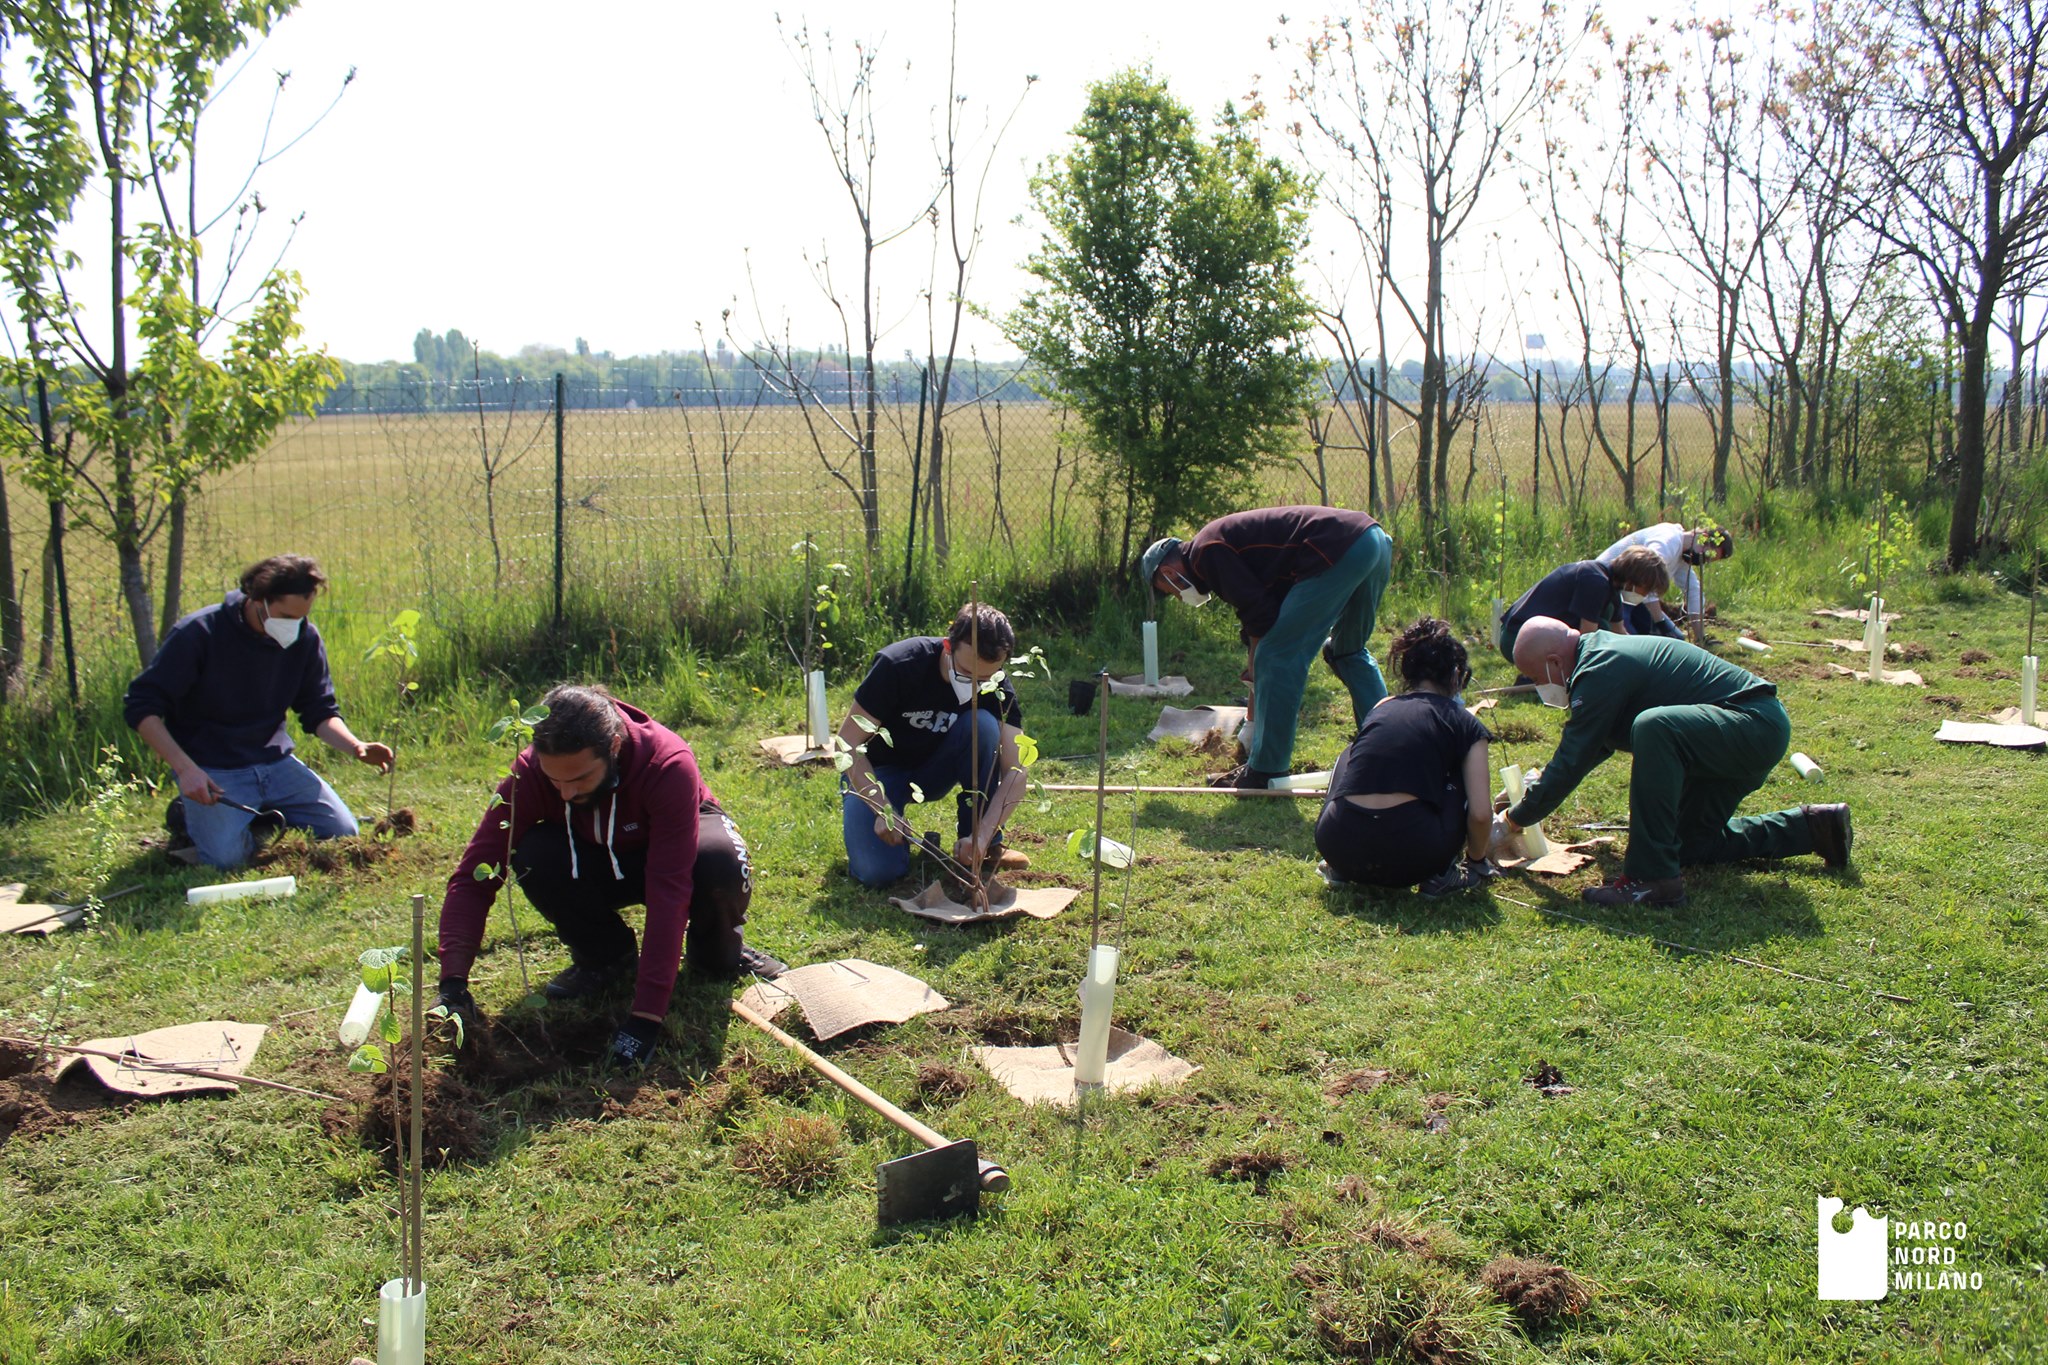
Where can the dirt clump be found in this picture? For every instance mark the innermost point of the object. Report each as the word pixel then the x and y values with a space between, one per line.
pixel 1391 1236
pixel 1258 1168
pixel 1363 1081
pixel 1548 1080
pixel 1944 701
pixel 459 1123
pixel 1539 1291
pixel 938 1083
pixel 1974 656
pixel 32 1104
pixel 1913 652
pixel 1510 730
pixel 398 823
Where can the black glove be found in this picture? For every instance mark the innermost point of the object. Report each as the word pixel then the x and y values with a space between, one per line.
pixel 453 996
pixel 633 1044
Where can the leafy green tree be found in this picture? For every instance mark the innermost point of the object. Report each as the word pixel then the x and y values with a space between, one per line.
pixel 1169 315
pixel 131 79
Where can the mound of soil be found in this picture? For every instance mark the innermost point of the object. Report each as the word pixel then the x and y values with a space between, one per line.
pixel 459 1124
pixel 1975 656
pixel 297 855
pixel 31 1104
pixel 1361 1082
pixel 1539 1291
pixel 398 823
pixel 1257 1167
pixel 938 1083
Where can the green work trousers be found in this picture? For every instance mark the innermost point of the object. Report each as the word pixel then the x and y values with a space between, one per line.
pixel 1693 766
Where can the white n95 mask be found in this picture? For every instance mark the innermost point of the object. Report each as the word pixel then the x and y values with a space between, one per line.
pixel 283 629
pixel 1633 599
pixel 1191 594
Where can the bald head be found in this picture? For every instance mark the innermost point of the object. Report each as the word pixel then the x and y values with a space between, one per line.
pixel 1544 640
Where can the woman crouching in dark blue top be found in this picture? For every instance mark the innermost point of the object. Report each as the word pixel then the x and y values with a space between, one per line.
pixel 1411 792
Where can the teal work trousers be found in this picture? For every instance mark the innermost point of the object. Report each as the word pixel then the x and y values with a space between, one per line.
pixel 1337 608
pixel 1693 767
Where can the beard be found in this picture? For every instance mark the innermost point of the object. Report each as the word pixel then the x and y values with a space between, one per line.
pixel 604 787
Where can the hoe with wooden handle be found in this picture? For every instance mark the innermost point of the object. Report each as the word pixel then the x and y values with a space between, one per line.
pixel 944 1181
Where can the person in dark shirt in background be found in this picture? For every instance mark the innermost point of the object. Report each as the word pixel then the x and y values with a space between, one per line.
pixel 1705 734
pixel 1300 579
pixel 919 691
pixel 1410 793
pixel 212 705
pixel 1588 595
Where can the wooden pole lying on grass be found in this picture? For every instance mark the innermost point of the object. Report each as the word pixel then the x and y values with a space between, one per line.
pixel 1178 791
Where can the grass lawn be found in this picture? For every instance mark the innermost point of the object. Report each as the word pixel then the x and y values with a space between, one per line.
pixel 610 1218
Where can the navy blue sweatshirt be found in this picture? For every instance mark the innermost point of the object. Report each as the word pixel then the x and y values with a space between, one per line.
pixel 223 689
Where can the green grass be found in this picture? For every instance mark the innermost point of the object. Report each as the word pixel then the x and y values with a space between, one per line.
pixel 1712 1102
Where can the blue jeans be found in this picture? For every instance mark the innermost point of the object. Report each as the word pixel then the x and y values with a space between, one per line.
pixel 874 863
pixel 221 833
pixel 1335 611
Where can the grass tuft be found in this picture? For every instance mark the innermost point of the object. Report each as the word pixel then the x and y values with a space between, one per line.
pixel 1539 1291
pixel 796 1154
pixel 1368 1303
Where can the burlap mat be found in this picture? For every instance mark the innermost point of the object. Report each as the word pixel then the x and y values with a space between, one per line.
pixel 1857 614
pixel 1005 902
pixel 213 1044
pixel 1045 1075
pixel 836 997
pixel 2010 735
pixel 1902 677
pixel 792 750
pixel 1198 723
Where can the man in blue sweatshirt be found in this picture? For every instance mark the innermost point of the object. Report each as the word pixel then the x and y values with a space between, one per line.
pixel 212 705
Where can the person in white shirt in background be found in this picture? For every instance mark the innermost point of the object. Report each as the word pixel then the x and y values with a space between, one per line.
pixel 1682 551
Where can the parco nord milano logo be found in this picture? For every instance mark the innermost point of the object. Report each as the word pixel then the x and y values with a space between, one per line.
pixel 1863 1264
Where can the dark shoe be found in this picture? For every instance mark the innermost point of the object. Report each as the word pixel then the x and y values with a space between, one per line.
pixel 580 981
pixel 1081 695
pixel 1452 878
pixel 183 850
pixel 754 962
pixel 174 819
pixel 1245 777
pixel 1630 891
pixel 1831 831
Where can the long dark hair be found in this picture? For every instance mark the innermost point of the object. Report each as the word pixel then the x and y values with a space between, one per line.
pixel 1428 652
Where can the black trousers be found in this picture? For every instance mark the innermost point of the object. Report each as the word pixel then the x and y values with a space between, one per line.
pixel 1400 846
pixel 585 909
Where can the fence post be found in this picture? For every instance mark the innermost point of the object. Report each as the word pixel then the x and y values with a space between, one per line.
pixel 560 496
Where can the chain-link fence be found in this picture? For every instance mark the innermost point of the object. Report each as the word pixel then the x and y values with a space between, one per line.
pixel 512 499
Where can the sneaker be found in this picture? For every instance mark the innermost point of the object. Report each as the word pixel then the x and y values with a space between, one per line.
pixel 754 962
pixel 1831 831
pixel 581 980
pixel 1632 891
pixel 1244 777
pixel 1329 874
pixel 1452 878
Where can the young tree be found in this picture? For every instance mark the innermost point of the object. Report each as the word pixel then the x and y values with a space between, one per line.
pixel 1956 153
pixel 130 79
pixel 1168 314
pixel 1417 103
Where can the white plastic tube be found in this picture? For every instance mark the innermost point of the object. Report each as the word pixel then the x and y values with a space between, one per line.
pixel 1151 653
pixel 401 1324
pixel 361 1016
pixel 1807 768
pixel 1877 651
pixel 2030 675
pixel 1098 1002
pixel 1874 622
pixel 1532 837
pixel 235 891
pixel 1301 782
pixel 1753 646
pixel 816 716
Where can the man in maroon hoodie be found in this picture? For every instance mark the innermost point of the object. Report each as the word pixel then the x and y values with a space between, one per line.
pixel 606 809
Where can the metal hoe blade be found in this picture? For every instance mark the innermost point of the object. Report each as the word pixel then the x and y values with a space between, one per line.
pixel 940 1182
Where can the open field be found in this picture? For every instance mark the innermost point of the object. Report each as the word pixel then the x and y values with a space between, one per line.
pixel 604 1217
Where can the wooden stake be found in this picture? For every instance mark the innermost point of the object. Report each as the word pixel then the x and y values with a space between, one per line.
pixel 419 1021
pixel 1101 776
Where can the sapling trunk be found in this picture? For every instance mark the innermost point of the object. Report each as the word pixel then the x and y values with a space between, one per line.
pixel 975 806
pixel 417 1267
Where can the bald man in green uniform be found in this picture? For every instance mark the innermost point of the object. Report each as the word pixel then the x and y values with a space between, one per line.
pixel 1704 733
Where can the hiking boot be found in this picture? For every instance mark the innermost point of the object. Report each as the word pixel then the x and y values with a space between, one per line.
pixel 1634 891
pixel 581 980
pixel 174 820
pixel 1831 831
pixel 1245 777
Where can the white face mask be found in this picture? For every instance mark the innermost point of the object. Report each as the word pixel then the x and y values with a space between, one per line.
pixel 1554 694
pixel 963 683
pixel 283 629
pixel 1188 592
pixel 1632 599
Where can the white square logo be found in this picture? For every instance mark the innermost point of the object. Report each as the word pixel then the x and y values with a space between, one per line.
pixel 1852 1263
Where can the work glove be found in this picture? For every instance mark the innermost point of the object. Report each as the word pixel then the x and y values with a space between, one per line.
pixel 454 997
pixel 633 1044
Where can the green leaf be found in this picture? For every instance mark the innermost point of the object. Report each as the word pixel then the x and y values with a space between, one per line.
pixel 369 1057
pixel 917 794
pixel 842 762
pixel 387 1026
pixel 497 731
pixel 443 1014
pixel 1027 750
pixel 866 723
pixel 533 715
pixel 484 872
